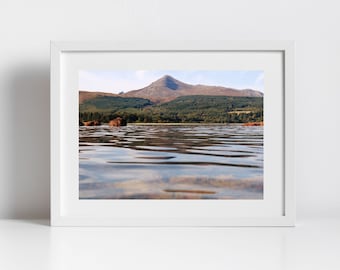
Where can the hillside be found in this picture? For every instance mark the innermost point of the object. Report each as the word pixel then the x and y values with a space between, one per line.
pixel 112 104
pixel 186 109
pixel 87 95
pixel 210 109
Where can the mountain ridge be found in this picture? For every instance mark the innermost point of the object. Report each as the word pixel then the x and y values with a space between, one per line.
pixel 167 88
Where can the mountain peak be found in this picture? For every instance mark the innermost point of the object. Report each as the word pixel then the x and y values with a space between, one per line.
pixel 169 82
pixel 166 77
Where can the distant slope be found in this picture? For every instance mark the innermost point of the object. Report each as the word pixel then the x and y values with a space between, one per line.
pixel 214 109
pixel 192 103
pixel 168 88
pixel 112 103
pixel 86 95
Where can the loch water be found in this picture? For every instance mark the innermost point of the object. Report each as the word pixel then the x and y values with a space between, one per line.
pixel 171 162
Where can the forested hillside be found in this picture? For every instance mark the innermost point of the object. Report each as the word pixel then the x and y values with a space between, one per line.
pixel 184 109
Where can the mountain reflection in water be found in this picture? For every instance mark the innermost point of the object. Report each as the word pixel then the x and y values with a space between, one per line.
pixel 171 162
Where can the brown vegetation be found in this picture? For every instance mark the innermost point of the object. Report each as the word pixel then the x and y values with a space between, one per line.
pixel 91 123
pixel 254 124
pixel 117 122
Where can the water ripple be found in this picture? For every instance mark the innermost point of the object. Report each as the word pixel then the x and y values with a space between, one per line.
pixel 138 162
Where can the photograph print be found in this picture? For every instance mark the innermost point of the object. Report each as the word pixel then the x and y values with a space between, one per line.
pixel 171 134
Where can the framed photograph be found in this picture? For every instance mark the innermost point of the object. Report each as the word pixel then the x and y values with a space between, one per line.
pixel 172 133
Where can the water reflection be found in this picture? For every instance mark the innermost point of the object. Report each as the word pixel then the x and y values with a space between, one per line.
pixel 171 162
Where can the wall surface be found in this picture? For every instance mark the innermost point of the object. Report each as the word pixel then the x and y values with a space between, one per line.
pixel 26 27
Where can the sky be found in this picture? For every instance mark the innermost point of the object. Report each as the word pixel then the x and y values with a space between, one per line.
pixel 114 81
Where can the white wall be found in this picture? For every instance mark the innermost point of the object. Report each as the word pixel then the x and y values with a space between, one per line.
pixel 26 27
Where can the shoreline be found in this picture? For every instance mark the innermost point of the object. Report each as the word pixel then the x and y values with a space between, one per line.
pixel 182 124
pixel 246 124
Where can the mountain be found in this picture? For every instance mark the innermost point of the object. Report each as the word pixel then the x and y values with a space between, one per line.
pixel 168 100
pixel 168 88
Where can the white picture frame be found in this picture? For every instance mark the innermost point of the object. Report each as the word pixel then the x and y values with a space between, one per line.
pixel 68 210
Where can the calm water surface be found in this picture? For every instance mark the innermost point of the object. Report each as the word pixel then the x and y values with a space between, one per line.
pixel 171 162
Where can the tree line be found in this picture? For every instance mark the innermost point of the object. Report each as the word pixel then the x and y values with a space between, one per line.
pixel 162 117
